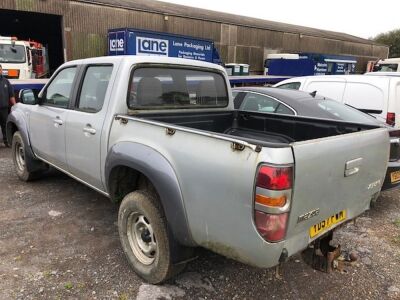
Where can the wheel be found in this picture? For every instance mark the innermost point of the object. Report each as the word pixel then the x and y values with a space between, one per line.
pixel 19 158
pixel 145 238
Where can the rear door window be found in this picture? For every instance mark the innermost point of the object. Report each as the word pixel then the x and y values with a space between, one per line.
pixel 364 96
pixel 174 88
pixel 94 88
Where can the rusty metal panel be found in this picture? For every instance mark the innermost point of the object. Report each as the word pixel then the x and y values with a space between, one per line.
pixel 291 42
pixel 242 54
pixel 256 59
pixel 88 45
pixel 7 4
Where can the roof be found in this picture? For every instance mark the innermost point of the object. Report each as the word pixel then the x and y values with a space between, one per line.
pixel 221 17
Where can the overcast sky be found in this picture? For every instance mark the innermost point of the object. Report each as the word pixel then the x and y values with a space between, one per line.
pixel 361 18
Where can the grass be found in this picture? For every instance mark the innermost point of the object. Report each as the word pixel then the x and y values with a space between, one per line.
pixel 68 285
pixel 397 223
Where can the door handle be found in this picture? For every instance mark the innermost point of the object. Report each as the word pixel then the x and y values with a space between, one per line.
pixel 58 121
pixel 89 129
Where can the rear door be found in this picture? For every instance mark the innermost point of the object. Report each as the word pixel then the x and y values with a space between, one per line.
pixel 336 176
pixel 84 126
pixel 334 88
pixel 370 97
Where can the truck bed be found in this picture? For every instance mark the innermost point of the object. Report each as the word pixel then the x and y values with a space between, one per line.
pixel 259 128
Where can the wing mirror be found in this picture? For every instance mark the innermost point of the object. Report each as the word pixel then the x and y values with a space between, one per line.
pixel 28 97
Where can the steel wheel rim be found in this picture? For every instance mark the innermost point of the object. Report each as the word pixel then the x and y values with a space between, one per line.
pixel 141 238
pixel 20 156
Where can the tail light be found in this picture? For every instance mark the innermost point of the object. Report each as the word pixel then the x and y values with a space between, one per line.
pixel 391 118
pixel 271 201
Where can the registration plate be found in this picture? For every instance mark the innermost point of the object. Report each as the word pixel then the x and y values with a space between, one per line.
pixel 395 176
pixel 327 223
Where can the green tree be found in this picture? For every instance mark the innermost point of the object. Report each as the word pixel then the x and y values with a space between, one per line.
pixel 391 39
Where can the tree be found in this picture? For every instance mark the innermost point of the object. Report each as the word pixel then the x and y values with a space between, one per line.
pixel 391 39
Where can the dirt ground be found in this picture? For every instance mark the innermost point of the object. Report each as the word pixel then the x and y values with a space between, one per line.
pixel 59 240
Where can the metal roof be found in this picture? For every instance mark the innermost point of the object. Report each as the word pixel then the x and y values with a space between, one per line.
pixel 220 17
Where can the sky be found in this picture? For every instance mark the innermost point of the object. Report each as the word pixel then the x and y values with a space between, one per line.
pixel 360 18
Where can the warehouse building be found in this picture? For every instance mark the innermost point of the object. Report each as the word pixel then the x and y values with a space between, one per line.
pixel 75 29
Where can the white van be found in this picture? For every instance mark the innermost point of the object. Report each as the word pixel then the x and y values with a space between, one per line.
pixel 377 95
pixel 388 65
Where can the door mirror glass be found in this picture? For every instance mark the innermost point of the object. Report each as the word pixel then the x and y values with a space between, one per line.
pixel 28 97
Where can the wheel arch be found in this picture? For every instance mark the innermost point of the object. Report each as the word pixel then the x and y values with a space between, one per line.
pixel 129 165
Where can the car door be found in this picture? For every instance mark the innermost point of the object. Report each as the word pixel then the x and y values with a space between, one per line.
pixel 47 120
pixel 85 123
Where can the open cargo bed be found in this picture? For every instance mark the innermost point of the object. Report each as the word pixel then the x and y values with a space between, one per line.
pixel 259 128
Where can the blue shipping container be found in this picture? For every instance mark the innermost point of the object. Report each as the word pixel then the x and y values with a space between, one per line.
pixel 128 41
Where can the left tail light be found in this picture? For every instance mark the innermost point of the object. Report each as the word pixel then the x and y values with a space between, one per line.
pixel 391 118
pixel 272 201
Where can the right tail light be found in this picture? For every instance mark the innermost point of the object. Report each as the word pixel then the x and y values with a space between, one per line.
pixel 273 191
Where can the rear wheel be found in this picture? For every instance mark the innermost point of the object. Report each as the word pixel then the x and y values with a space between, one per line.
pixel 20 159
pixel 145 238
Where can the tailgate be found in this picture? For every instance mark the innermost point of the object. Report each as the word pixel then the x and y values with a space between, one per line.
pixel 335 179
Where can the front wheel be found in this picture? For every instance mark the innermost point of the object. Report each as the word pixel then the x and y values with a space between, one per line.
pixel 19 158
pixel 145 238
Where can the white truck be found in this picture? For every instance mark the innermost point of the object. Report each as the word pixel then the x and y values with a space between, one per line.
pixel 160 137
pixel 23 59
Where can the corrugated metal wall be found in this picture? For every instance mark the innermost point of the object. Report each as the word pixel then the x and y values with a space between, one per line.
pixel 86 26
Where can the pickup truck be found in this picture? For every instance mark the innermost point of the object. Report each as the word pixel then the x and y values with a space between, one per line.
pixel 160 137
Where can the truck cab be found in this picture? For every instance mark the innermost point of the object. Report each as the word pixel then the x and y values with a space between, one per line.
pixel 388 65
pixel 22 59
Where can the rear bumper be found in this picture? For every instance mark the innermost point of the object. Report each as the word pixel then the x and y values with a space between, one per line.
pixel 388 184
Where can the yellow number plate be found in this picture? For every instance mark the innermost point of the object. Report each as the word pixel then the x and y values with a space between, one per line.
pixel 327 223
pixel 395 176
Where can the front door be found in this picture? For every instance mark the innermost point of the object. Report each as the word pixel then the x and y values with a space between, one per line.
pixel 47 120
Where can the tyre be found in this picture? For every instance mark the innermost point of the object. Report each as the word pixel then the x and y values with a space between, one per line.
pixel 145 238
pixel 19 158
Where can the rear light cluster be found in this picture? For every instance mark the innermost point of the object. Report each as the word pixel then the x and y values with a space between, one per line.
pixel 272 195
pixel 391 118
pixel 394 145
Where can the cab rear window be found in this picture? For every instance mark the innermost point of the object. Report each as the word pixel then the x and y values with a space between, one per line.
pixel 172 88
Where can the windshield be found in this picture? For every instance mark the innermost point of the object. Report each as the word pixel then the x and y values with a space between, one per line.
pixel 10 54
pixel 337 111
pixel 386 68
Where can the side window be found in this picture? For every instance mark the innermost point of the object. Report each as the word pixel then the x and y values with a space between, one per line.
pixel 284 110
pixel 94 88
pixel 257 102
pixel 290 86
pixel 59 91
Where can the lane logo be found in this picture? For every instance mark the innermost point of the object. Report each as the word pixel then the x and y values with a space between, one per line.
pixel 150 46
pixel 117 45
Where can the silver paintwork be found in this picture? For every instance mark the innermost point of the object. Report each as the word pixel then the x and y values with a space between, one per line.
pixel 217 184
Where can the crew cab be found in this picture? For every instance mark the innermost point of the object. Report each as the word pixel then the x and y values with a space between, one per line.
pixel 160 137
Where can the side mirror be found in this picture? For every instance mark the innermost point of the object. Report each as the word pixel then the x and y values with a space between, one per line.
pixel 28 97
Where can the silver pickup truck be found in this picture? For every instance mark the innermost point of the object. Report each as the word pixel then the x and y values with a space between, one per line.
pixel 160 137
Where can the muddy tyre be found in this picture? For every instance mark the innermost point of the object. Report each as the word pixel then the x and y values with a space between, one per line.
pixel 19 158
pixel 145 238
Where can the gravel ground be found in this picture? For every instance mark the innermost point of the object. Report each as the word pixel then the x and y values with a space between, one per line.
pixel 59 240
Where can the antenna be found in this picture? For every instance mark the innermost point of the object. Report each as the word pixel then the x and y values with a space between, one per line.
pixel 313 94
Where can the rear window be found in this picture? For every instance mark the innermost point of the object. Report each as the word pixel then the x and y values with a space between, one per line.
pixel 290 86
pixel 171 88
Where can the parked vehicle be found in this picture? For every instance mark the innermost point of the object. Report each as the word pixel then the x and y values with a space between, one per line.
pixel 292 102
pixel 161 137
pixel 304 64
pixel 387 65
pixel 23 59
pixel 377 95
